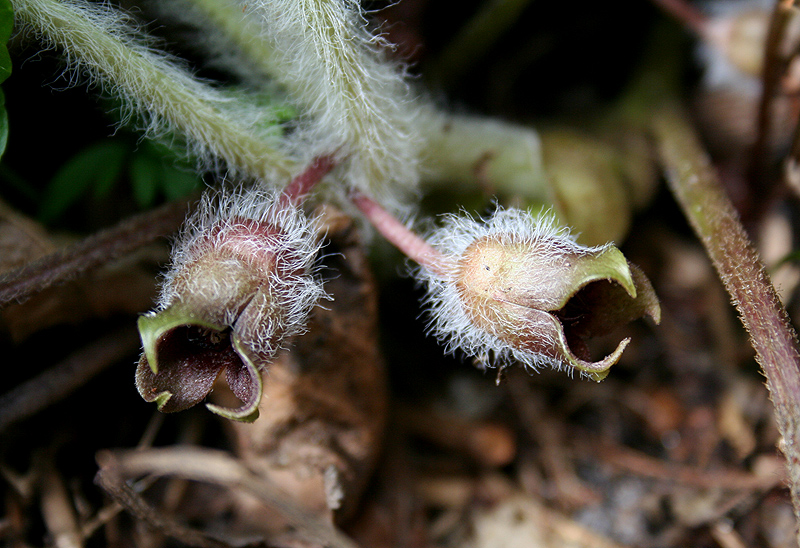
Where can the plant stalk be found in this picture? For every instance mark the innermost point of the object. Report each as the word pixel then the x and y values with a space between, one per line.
pixel 697 188
pixel 20 284
pixel 101 42
pixel 402 237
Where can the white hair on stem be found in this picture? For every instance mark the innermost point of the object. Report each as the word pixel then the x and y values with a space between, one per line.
pixel 449 322
pixel 103 44
pixel 356 103
pixel 228 36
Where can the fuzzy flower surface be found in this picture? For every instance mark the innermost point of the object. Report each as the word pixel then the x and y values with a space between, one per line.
pixel 241 283
pixel 517 287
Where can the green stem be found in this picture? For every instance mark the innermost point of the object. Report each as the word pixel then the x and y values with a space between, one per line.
pixel 695 184
pixel 225 17
pixel 355 103
pixel 475 39
pixel 456 149
pixel 98 39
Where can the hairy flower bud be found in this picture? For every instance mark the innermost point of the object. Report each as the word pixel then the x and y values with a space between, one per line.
pixel 240 283
pixel 518 287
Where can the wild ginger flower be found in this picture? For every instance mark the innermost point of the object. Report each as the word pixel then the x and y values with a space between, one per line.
pixel 241 282
pixel 518 287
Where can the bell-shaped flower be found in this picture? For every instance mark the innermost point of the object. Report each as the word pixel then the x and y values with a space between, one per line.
pixel 517 287
pixel 241 282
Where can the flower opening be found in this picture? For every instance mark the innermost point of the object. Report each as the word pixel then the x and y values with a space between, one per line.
pixel 518 287
pixel 240 284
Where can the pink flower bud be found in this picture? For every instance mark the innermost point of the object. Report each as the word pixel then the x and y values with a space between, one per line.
pixel 241 283
pixel 517 287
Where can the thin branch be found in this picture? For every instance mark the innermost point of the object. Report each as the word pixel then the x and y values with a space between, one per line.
pixel 59 381
pixel 696 187
pixel 22 283
pixel 773 70
pixel 216 467
pixel 112 481
pixel 644 465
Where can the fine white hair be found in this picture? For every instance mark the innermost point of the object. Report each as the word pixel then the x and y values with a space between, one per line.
pixel 355 102
pixel 449 322
pixel 289 291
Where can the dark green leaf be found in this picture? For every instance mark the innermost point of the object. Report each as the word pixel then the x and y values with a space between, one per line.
pixel 6 26
pixel 173 175
pixel 178 183
pixel 145 173
pixel 98 166
pixel 3 124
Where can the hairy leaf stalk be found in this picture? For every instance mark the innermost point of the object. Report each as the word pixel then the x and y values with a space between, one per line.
pixel 694 183
pixel 356 104
pixel 102 42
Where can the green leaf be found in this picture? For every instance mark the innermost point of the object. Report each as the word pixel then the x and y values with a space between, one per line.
pixel 178 183
pixel 3 124
pixel 98 166
pixel 145 173
pixel 6 26
pixel 161 171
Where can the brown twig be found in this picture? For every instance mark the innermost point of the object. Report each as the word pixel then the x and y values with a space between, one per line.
pixel 772 71
pixel 101 248
pixel 696 187
pixel 59 381
pixel 214 467
pixel 644 465
pixel 113 482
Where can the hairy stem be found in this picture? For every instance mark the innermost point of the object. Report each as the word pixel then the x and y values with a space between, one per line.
pixel 356 103
pixel 402 237
pixel 300 187
pixel 455 149
pixel 18 285
pixel 100 41
pixel 696 186
pixel 226 17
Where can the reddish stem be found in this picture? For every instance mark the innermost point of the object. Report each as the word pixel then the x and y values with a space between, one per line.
pixel 686 13
pixel 402 237
pixel 299 188
pixel 696 187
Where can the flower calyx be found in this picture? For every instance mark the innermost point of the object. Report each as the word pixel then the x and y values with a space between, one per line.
pixel 519 288
pixel 241 283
